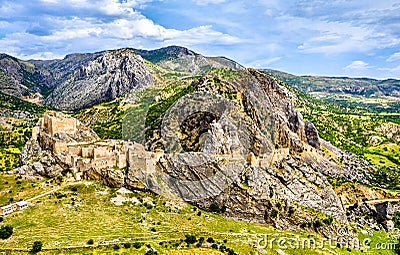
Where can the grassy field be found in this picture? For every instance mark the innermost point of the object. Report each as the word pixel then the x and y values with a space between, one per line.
pixel 75 213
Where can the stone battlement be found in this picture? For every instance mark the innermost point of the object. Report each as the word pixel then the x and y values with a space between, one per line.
pixel 77 147
pixel 56 122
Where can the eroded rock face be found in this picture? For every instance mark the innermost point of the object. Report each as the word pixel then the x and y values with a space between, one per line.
pixel 274 162
pixel 101 77
pixel 377 215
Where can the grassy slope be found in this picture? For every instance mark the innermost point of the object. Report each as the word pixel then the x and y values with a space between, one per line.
pixel 79 212
pixel 14 132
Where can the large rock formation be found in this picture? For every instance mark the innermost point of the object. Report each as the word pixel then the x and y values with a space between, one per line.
pixel 100 77
pixel 234 146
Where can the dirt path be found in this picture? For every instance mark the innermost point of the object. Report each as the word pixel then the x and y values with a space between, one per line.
pixel 52 191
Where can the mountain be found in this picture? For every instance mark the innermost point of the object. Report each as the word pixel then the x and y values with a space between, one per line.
pixel 184 60
pixel 380 95
pixel 21 78
pixel 173 124
pixel 82 80
pixel 85 80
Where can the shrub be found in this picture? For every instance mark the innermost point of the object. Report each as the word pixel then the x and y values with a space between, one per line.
pixel 137 245
pixel 149 252
pixel 153 230
pixel 116 247
pixel 318 223
pixel 214 207
pixel 214 246
pixel 231 251
pixel 396 219
pixel 6 231
pixel 328 221
pixel 291 210
pixel 90 242
pixel 37 246
pixel 210 240
pixel 127 245
pixel 1 219
pixel 190 239
pixel 274 213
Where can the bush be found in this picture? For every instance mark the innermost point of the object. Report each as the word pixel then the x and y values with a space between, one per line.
pixel 190 239
pixel 116 247
pixel 396 219
pixel 90 242
pixel 274 213
pixel 137 245
pixel 318 223
pixel 127 245
pixel 6 231
pixel 210 240
pixel 1 219
pixel 149 252
pixel 214 207
pixel 214 246
pixel 153 229
pixel 37 246
pixel 328 221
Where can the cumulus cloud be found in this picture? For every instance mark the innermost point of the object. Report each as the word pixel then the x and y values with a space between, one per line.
pixel 76 26
pixel 358 65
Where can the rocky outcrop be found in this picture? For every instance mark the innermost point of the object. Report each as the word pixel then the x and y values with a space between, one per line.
pixel 101 77
pixel 377 215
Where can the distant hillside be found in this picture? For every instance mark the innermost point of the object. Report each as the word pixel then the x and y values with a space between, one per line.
pixel 182 59
pixel 82 80
pixel 379 95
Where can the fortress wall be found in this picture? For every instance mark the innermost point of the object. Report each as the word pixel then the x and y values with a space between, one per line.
pixel 59 147
pixel 87 152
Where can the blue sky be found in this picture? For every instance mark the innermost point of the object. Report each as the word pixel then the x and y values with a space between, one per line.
pixel 321 37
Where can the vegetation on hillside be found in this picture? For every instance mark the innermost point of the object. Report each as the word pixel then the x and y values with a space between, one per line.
pixel 16 122
pixel 368 134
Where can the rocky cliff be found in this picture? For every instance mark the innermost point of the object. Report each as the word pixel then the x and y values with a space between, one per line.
pixel 99 77
pixel 82 80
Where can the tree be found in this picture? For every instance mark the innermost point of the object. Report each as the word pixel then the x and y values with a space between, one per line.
pixel 6 231
pixel 37 246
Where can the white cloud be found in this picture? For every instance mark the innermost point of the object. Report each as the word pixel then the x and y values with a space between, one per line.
pixel 206 2
pixel 358 65
pixel 394 57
